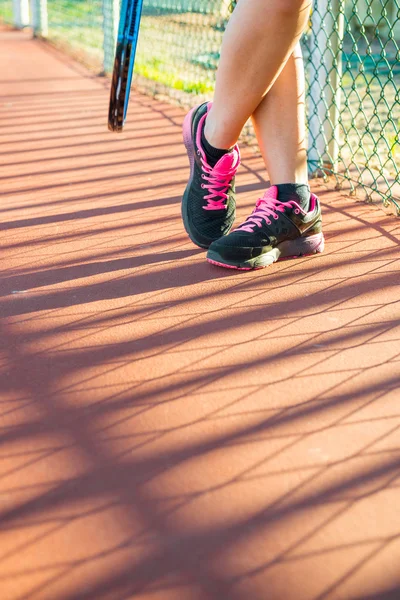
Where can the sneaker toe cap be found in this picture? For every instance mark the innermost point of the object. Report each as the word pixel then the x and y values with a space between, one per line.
pixel 230 251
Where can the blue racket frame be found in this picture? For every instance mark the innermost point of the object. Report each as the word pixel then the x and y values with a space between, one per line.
pixel 128 33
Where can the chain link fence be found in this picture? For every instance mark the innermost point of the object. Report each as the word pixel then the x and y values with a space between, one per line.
pixel 352 56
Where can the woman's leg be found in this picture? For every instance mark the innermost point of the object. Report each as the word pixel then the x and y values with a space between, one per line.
pixel 286 221
pixel 257 50
pixel 260 37
pixel 279 123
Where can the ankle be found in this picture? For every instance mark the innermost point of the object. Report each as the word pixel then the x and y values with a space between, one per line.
pixel 214 135
pixel 213 152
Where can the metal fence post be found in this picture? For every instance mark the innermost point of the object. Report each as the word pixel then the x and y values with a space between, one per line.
pixel 325 72
pixel 20 13
pixel 110 31
pixel 39 18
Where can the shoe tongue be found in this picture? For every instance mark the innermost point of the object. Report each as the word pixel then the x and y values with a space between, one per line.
pixel 271 193
pixel 227 161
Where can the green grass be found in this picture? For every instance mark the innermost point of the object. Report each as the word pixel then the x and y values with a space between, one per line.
pixel 6 12
pixel 172 81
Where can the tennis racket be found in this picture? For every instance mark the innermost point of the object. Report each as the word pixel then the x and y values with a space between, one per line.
pixel 128 33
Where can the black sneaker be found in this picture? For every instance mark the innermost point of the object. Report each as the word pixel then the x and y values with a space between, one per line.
pixel 208 204
pixel 275 230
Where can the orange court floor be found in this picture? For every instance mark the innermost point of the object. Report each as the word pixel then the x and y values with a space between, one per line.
pixel 171 430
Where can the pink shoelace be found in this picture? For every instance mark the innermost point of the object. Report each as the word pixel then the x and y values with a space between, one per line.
pixel 218 179
pixel 218 184
pixel 268 206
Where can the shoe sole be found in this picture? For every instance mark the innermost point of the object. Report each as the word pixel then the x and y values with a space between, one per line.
pixel 188 141
pixel 307 246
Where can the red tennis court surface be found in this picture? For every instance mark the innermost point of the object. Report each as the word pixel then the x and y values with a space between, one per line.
pixel 171 430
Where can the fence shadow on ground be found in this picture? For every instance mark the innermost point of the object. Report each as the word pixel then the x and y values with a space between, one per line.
pixel 170 427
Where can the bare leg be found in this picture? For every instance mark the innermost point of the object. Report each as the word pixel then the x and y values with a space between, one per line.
pixel 259 39
pixel 279 122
